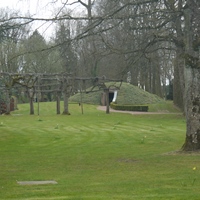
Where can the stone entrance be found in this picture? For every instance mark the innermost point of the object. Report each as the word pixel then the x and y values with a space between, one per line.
pixel 111 97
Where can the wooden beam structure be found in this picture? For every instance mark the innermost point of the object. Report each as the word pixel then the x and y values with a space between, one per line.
pixel 38 84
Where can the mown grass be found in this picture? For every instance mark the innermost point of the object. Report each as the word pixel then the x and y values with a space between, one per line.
pixel 166 107
pixel 95 156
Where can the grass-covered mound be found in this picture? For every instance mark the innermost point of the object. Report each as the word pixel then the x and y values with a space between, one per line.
pixel 128 94
pixel 88 98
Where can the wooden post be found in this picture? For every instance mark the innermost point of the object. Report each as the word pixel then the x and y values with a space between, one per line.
pixel 31 93
pixel 81 102
pixel 107 101
pixel 58 103
pixel 81 96
pixel 38 101
pixel 38 94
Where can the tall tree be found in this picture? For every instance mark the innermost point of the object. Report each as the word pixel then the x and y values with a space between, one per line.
pixel 35 59
pixel 67 54
pixel 152 23
pixel 177 22
pixel 192 73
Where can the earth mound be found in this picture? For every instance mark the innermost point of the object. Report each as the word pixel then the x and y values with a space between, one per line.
pixel 127 94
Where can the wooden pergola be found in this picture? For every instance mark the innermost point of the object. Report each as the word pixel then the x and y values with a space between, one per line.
pixel 66 84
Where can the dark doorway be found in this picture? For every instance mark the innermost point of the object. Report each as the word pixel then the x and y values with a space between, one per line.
pixel 111 96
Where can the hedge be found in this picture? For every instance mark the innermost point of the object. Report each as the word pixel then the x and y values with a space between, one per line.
pixel 141 108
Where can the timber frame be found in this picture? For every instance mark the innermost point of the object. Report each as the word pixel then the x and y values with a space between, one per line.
pixel 58 84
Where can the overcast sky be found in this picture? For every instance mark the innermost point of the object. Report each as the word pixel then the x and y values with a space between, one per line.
pixel 38 8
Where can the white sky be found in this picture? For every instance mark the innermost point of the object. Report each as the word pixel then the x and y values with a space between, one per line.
pixel 38 8
pixel 24 6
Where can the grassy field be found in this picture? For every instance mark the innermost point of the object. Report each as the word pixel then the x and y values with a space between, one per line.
pixel 95 156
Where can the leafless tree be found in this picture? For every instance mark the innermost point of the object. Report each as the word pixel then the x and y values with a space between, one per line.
pixel 151 24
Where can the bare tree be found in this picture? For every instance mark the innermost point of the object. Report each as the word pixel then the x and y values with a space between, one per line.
pixel 152 23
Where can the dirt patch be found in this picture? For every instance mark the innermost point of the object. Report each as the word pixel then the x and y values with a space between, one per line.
pixel 180 152
pixel 127 160
pixel 36 182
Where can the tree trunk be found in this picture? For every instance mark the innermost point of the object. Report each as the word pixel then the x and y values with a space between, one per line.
pixel 178 84
pixel 107 101
pixel 66 107
pixel 192 109
pixel 7 102
pixel 58 104
pixel 192 87
pixel 31 106
pixel 158 90
pixel 31 93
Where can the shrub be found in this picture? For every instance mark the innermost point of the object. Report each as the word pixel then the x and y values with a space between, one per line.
pixel 142 108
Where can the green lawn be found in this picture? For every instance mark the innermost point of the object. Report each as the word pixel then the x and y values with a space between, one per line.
pixel 95 156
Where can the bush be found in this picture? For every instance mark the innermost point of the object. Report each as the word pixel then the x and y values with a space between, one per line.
pixel 141 108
